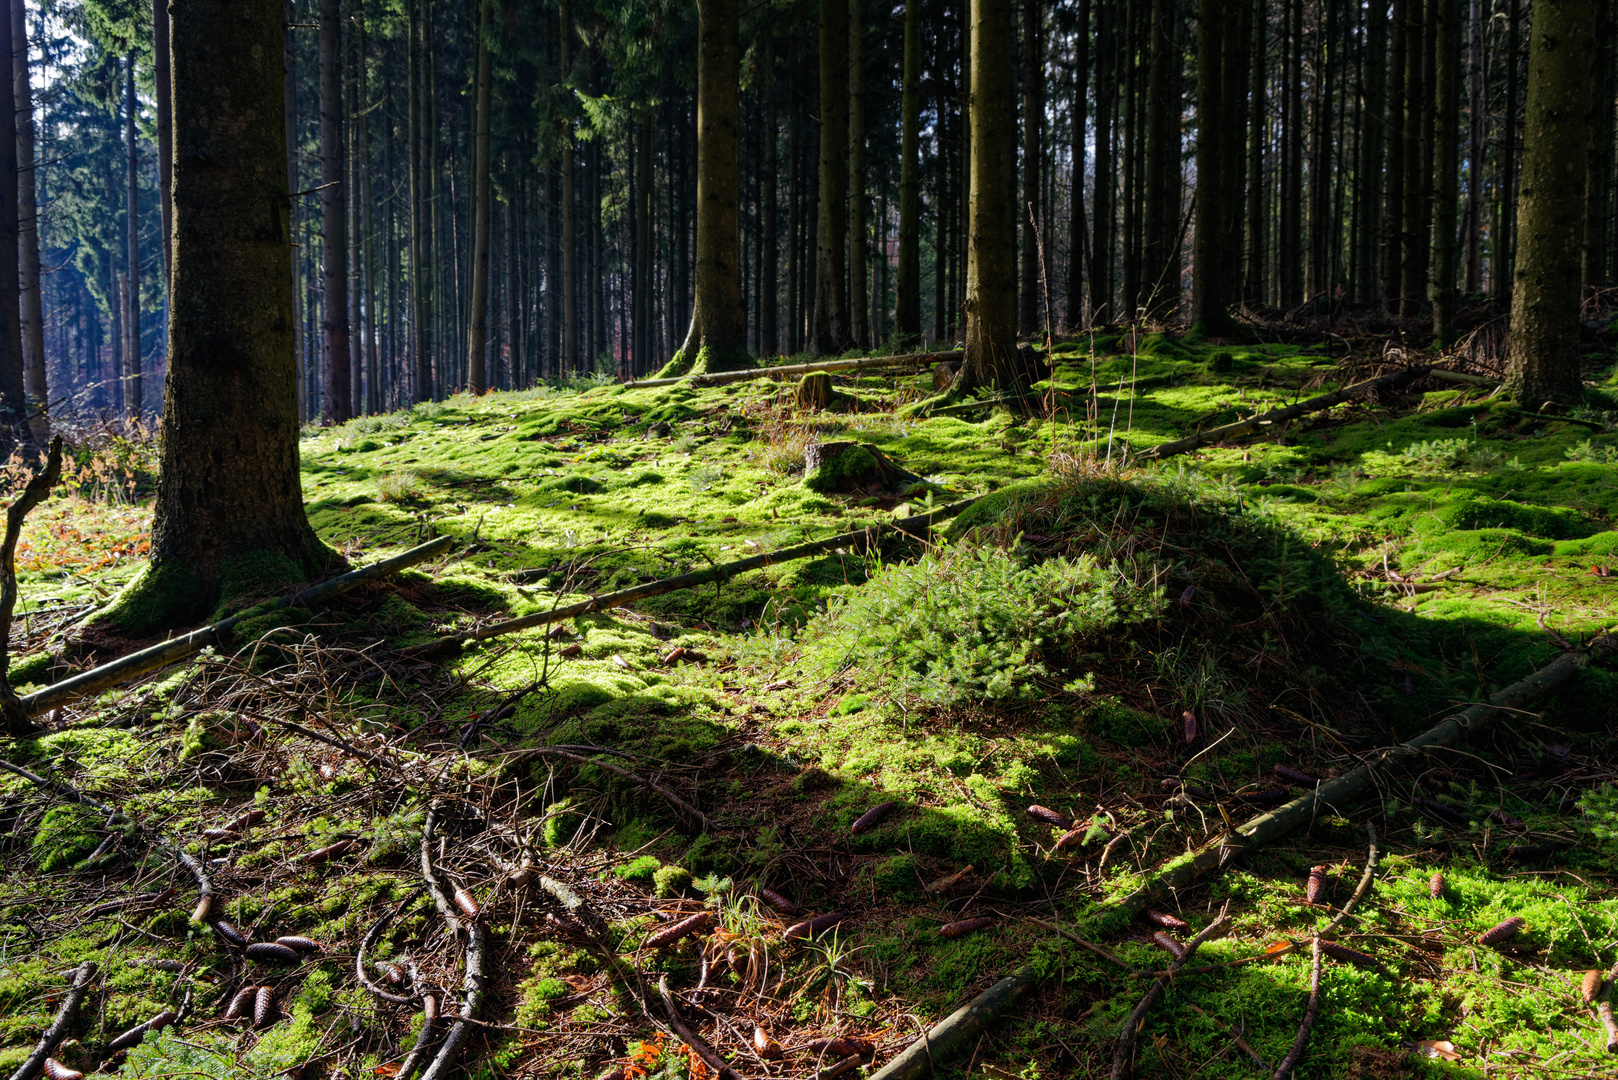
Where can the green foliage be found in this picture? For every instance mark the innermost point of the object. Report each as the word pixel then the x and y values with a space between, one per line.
pixel 970 623
pixel 639 871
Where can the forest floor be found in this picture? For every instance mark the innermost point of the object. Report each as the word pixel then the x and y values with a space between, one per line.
pixel 1133 646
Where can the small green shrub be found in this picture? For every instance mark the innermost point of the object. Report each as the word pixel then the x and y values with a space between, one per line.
pixel 978 623
pixel 1597 451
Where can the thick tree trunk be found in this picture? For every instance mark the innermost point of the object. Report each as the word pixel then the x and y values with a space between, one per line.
pixel 421 270
pixel 1394 206
pixel 831 334
pixel 290 103
pixel 163 103
pixel 229 507
pixel 717 340
pixel 134 398
pixel 336 404
pixel 991 294
pixel 858 286
pixel 32 313
pixel 570 247
pixel 1253 281
pixel 1542 363
pixel 1373 147
pixel 13 403
pixel 373 362
pixel 1474 149
pixel 477 378
pixel 1159 286
pixel 1033 122
pixel 769 331
pixel 1447 105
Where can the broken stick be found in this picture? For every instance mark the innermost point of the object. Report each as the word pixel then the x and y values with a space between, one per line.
pixel 1310 1011
pixel 58 1029
pixel 1125 1051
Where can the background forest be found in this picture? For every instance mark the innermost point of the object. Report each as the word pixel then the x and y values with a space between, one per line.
pixel 1370 163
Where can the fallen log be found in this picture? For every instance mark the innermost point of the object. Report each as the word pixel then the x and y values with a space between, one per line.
pixel 58 1030
pixel 859 538
pixel 788 371
pixel 1281 416
pixel 188 645
pixel 916 1060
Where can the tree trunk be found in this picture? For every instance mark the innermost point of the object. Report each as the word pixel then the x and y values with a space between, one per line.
pixel 229 510
pixel 1253 283
pixel 858 287
pixel 1154 299
pixel 1103 210
pixel 769 332
pixel 831 333
pixel 1394 206
pixel 1504 244
pixel 13 403
pixel 1373 147
pixel 1033 121
pixel 421 268
pixel 1073 308
pixel 991 294
pixel 907 285
pixel 32 312
pixel 1542 363
pixel 163 103
pixel 717 340
pixel 569 361
pixel 290 106
pixel 373 362
pixel 134 398
pixel 1208 282
pixel 1447 105
pixel 477 379
pixel 1474 149
pixel 336 404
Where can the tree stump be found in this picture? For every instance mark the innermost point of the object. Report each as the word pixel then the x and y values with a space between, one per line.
pixel 849 466
pixel 815 392
pixel 944 374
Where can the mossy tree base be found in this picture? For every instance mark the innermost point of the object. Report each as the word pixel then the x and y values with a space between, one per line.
pixel 707 360
pixel 815 393
pixel 172 594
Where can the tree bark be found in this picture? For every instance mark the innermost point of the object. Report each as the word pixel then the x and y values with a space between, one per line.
pixel 1393 207
pixel 478 317
pixel 229 504
pixel 1103 210
pixel 1504 244
pixel 1253 282
pixel 1159 286
pixel 1208 281
pixel 769 332
pixel 1033 122
pixel 134 398
pixel 717 340
pixel 991 294
pixel 1542 362
pixel 1447 105
pixel 858 286
pixel 1474 149
pixel 164 106
pixel 1073 309
pixel 570 249
pixel 32 312
pixel 336 404
pixel 831 294
pixel 907 284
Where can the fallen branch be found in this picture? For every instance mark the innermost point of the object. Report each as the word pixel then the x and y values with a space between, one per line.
pixel 58 1029
pixel 579 754
pixel 916 525
pixel 696 1042
pixel 916 1060
pixel 12 714
pixel 1083 944
pixel 1362 888
pixel 1125 1050
pixel 443 1063
pixel 787 371
pixel 1310 1011
pixel 1336 796
pixel 368 942
pixel 1281 416
pixel 418 1053
pixel 188 645
pixel 185 858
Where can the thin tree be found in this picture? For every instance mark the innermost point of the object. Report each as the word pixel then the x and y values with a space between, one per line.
pixel 831 332
pixel 13 404
pixel 134 398
pixel 1033 123
pixel 1209 284
pixel 858 286
pixel 229 508
pixel 336 404
pixel 1542 359
pixel 164 106
pixel 33 316
pixel 717 340
pixel 1447 80
pixel 1073 309
pixel 477 327
pixel 907 286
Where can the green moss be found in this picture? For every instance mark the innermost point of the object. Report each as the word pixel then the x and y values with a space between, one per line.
pixel 158 597
pixel 835 474
pixel 64 837
pixel 640 870
pixel 672 881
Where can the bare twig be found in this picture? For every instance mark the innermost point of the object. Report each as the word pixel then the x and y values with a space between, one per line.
pixel 1126 1038
pixel 64 1017
pixel 692 1039
pixel 1310 1011
pixel 368 942
pixel 572 753
pixel 1235 1036
pixel 1083 944
pixel 1362 888
pixel 443 1063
